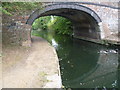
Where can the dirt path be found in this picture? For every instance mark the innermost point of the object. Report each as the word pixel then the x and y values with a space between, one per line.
pixel 39 68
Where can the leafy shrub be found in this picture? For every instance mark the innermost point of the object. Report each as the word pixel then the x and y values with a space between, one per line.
pixel 18 7
pixel 58 24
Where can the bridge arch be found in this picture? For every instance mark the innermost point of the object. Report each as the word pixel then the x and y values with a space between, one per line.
pixel 85 20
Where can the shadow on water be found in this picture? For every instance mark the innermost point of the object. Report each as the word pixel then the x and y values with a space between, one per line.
pixel 84 64
pixel 119 67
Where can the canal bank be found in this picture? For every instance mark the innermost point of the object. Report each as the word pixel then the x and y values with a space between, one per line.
pixel 115 40
pixel 34 67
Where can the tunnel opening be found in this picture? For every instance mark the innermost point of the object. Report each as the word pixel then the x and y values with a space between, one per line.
pixel 49 27
pixel 85 21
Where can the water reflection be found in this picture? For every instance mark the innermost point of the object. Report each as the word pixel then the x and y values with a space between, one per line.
pixel 54 43
pixel 88 65
pixel 84 64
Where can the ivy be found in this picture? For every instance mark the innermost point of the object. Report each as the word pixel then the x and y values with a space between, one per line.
pixel 18 7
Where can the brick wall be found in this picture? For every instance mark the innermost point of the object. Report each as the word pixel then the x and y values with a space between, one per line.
pixel 15 31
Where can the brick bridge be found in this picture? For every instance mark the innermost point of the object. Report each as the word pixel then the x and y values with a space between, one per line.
pixel 92 21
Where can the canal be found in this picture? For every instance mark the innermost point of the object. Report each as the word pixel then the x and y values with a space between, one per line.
pixel 84 64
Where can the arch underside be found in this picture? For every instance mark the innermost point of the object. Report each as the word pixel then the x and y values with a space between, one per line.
pixel 85 21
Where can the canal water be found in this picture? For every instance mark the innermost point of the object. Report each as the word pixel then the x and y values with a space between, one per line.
pixel 84 64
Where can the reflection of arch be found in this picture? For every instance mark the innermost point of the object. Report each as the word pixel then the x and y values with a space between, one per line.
pixel 85 21
pixel 84 76
pixel 105 71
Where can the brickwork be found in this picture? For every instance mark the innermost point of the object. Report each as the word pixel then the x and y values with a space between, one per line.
pixel 15 31
pixel 83 15
pixel 109 18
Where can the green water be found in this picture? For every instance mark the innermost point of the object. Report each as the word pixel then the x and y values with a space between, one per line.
pixel 84 64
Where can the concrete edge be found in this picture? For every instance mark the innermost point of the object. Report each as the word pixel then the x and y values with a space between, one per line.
pixel 56 77
pixel 103 42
